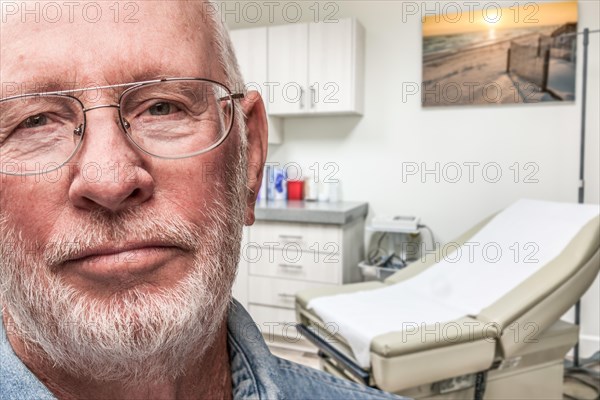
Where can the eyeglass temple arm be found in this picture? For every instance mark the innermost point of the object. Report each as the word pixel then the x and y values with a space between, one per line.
pixel 233 96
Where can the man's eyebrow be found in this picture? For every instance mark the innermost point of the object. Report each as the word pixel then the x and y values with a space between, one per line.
pixel 33 86
pixel 46 84
pixel 149 72
pixel 149 76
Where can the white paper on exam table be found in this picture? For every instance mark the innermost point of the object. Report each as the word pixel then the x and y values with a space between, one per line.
pixel 454 288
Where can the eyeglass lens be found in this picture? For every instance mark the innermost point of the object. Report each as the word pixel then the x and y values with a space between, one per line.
pixel 169 119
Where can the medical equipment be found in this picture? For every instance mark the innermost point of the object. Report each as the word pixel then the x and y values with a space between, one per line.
pixel 447 328
pixel 397 223
pixel 394 242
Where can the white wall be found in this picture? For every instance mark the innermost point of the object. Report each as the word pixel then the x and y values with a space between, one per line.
pixel 369 151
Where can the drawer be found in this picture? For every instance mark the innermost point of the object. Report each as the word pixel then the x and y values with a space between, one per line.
pixel 277 292
pixel 314 237
pixel 272 320
pixel 298 265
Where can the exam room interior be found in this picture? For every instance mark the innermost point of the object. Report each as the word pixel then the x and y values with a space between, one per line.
pixel 395 128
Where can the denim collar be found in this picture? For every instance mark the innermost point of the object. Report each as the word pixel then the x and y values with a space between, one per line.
pixel 253 368
pixel 16 380
pixel 255 371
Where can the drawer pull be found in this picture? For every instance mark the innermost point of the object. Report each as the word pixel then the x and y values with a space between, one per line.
pixel 291 237
pixel 286 296
pixel 292 267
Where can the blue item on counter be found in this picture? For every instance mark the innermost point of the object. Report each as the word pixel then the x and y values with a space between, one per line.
pixel 280 184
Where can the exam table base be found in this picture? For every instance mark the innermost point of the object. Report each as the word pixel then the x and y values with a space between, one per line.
pixel 535 373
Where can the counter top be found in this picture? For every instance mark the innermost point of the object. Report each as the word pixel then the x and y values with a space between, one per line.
pixel 338 213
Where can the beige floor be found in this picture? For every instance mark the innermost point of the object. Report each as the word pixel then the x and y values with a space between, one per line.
pixel 581 386
pixel 574 388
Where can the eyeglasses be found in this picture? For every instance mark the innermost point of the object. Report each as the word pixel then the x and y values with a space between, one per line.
pixel 170 118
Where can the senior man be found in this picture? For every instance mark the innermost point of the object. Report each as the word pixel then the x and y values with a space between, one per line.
pixel 128 167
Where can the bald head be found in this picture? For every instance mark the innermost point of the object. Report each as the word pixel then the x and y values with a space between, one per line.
pixel 96 43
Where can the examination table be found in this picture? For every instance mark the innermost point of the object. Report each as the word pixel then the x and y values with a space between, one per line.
pixel 491 341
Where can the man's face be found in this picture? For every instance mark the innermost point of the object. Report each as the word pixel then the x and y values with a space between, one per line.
pixel 118 248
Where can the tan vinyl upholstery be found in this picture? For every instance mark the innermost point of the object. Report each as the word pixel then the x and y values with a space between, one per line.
pixel 504 330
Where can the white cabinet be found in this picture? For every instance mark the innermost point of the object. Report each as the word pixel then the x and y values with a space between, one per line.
pixel 316 68
pixel 279 259
pixel 304 68
pixel 251 50
pixel 335 66
pixel 288 68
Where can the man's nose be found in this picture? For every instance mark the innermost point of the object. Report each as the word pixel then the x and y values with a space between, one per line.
pixel 111 173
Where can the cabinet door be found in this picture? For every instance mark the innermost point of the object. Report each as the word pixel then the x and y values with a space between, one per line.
pixel 251 50
pixel 250 47
pixel 288 69
pixel 333 66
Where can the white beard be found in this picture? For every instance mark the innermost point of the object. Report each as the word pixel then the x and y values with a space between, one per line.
pixel 132 336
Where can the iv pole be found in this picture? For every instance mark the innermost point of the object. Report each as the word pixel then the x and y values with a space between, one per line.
pixel 586 41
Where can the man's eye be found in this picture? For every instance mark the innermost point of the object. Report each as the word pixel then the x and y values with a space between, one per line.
pixel 162 109
pixel 34 122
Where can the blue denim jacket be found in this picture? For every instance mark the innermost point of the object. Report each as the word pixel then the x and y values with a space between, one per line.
pixel 255 372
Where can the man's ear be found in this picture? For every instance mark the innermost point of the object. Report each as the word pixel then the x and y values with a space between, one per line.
pixel 257 133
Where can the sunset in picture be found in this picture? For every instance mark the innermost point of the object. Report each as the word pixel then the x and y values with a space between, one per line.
pixel 523 53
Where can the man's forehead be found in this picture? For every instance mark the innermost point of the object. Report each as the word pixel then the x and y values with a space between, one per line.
pixel 108 52
pixel 40 12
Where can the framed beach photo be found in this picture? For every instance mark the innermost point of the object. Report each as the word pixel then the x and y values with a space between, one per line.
pixel 507 52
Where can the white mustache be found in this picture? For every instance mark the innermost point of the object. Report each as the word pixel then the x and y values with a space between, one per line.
pixel 128 230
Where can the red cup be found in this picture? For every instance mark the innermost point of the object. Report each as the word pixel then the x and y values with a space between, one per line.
pixel 295 190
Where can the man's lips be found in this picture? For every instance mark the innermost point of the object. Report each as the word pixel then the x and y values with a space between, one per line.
pixel 110 250
pixel 109 262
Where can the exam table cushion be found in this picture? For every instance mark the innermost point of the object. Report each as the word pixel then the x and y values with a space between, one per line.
pixel 451 292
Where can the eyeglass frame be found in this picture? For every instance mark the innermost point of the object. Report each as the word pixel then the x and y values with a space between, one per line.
pixel 122 121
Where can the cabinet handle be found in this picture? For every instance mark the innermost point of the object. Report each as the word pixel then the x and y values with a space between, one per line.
pixel 292 266
pixel 301 98
pixel 290 237
pixel 313 95
pixel 286 296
